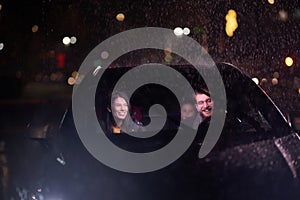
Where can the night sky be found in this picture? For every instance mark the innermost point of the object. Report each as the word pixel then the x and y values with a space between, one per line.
pixel 266 33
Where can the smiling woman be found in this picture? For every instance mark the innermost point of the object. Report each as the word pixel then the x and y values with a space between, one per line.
pixel 119 115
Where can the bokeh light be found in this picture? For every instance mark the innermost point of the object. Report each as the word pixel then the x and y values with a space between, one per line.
pixel 74 74
pixel 274 81
pixel 186 31
pixel 66 40
pixel 271 1
pixel 1 46
pixel 53 76
pixel 276 75
pixel 264 80
pixel 255 80
pixel 168 58
pixel 298 90
pixel 283 15
pixel 178 31
pixel 231 22
pixel 120 17
pixel 289 61
pixel 34 28
pixel 0 6
pixel 71 81
pixel 73 40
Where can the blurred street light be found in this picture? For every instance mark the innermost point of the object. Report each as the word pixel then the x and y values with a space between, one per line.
pixel 178 31
pixel 73 40
pixel 66 40
pixel 289 61
pixel 271 1
pixel 120 17
pixel 274 81
pixel 283 15
pixel 34 28
pixel 231 22
pixel 186 31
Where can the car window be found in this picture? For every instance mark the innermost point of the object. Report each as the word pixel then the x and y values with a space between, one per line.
pixel 250 114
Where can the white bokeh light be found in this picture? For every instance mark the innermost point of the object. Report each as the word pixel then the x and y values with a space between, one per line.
pixel 73 40
pixel 178 31
pixel 255 80
pixel 66 40
pixel 186 31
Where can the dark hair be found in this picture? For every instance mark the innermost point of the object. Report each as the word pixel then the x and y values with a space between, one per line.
pixel 202 91
pixel 110 119
pixel 117 94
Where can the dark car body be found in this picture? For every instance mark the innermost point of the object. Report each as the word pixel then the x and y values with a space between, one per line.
pixel 256 157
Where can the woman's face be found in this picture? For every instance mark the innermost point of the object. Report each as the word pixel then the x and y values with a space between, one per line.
pixel 119 108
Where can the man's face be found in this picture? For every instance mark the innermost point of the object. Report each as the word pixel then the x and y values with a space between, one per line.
pixel 119 108
pixel 204 105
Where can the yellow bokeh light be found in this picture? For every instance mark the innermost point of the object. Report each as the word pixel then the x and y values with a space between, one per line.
pixel 74 74
pixel 271 1
pixel 0 6
pixel 289 61
pixel 120 17
pixel 231 22
pixel 298 90
pixel 34 28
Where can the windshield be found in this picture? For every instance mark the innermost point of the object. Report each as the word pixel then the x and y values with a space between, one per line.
pixel 251 115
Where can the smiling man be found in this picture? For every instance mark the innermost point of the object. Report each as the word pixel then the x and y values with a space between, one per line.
pixel 204 106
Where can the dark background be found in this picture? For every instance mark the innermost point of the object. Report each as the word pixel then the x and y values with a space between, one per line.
pixel 35 66
pixel 30 63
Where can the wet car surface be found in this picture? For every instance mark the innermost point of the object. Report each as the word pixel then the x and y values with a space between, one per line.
pixel 256 157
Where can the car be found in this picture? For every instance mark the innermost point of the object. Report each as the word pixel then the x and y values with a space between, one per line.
pixel 256 157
